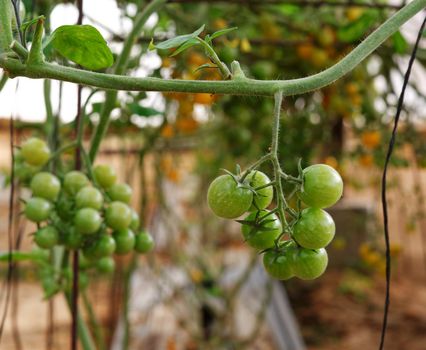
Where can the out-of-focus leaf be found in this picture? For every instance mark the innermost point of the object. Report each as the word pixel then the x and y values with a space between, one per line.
pixel 356 30
pixel 400 45
pixel 177 41
pixel 222 32
pixel 82 44
pixel 142 111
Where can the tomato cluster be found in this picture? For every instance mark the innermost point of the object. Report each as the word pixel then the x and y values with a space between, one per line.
pixel 81 213
pixel 309 230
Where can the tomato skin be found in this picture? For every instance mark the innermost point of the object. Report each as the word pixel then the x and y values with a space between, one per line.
pixel 227 199
pixel 87 221
pixel 46 237
pixel 102 247
pixel 279 264
pixel 74 181
pixel 258 238
pixel 118 216
pixel 322 186
pixel 310 264
pixel 106 265
pixel 264 196
pixel 124 240
pixel 315 229
pixel 37 209
pixel 89 197
pixel 105 175
pixel 120 192
pixel 144 242
pixel 135 223
pixel 35 151
pixel 45 185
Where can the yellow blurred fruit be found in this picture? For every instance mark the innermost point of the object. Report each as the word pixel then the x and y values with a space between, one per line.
pixel 352 88
pixel 331 161
pixel 319 58
pixel 186 107
pixel 167 132
pixel 395 249
pixel 220 23
pixel 166 62
pixel 366 160
pixel 196 275
pixel 353 13
pixel 339 243
pixel 196 59
pixel 205 98
pixel 186 125
pixel 356 100
pixel 245 45
pixel 364 250
pixel 371 139
pixel 326 36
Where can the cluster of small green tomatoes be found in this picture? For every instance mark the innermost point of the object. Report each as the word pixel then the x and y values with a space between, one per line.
pixel 73 211
pixel 309 231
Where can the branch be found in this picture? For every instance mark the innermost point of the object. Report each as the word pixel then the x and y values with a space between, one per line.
pixel 234 87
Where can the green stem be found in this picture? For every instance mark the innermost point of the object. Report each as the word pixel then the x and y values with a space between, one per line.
pixel 224 70
pixel 62 150
pixel 97 329
pixel 119 69
pixel 235 87
pixel 49 111
pixel 3 81
pixel 16 256
pixel 19 49
pixel 6 34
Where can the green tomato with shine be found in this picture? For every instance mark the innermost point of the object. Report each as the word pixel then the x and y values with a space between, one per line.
pixel 74 181
pixel 263 197
pixel 310 264
pixel 315 229
pixel 124 240
pixel 87 221
pixel 144 242
pixel 279 264
pixel 89 197
pixel 35 151
pixel 105 175
pixel 227 198
pixel 261 234
pixel 120 192
pixel 45 185
pixel 37 209
pixel 118 216
pixel 47 237
pixel 322 186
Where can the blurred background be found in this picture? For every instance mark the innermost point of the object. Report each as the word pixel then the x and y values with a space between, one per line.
pixel 202 287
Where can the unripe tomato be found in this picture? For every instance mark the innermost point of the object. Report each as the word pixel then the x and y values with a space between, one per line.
pixel 310 264
pixel 89 197
pixel 135 223
pixel 106 265
pixel 102 247
pixel 73 239
pixel 37 209
pixel 227 198
pixel 65 207
pixel 262 234
pixel 121 193
pixel 87 221
pixel 264 196
pixel 124 240
pixel 105 175
pixel 322 186
pixel 279 264
pixel 46 237
pixel 263 70
pixel 144 242
pixel 24 171
pixel 326 36
pixel 228 54
pixel 45 185
pixel 35 151
pixel 315 229
pixel 74 181
pixel 118 216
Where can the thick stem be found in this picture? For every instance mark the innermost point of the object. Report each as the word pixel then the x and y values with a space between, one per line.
pixel 6 34
pixel 119 69
pixel 235 87
pixel 224 70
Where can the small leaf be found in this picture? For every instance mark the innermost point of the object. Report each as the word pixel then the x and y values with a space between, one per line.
pixel 82 44
pixel 186 45
pixel 177 41
pixel 204 66
pixel 400 45
pixel 136 108
pixel 222 32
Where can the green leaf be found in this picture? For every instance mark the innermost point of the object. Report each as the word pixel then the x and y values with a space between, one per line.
pixel 289 9
pixel 222 32
pixel 82 44
pixel 400 45
pixel 136 108
pixel 177 41
pixel 204 66
pixel 187 45
pixel 356 30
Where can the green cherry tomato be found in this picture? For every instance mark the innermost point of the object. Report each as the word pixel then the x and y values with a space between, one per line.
pixel 45 185
pixel 106 265
pixel 322 186
pixel 118 216
pixel 24 172
pixel 120 193
pixel 102 247
pixel 124 240
pixel 87 221
pixel 135 223
pixel 315 229
pixel 263 197
pixel 46 237
pixel 227 199
pixel 35 151
pixel 74 181
pixel 37 209
pixel 89 197
pixel 144 242
pixel 73 239
pixel 105 175
pixel 279 264
pixel 262 233
pixel 310 264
